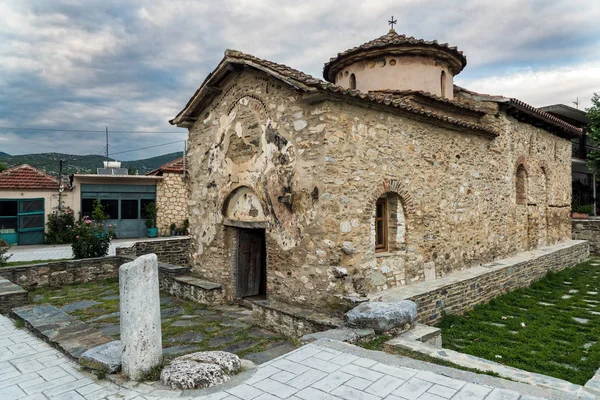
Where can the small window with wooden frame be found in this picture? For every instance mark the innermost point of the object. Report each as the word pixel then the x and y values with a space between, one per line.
pixel 381 225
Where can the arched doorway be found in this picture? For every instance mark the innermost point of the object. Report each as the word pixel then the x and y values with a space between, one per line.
pixel 243 212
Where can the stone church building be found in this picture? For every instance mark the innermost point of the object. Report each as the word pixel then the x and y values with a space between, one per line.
pixel 383 174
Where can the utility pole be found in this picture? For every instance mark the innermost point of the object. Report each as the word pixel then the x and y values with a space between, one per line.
pixel 107 144
pixel 184 157
pixel 576 102
pixel 60 184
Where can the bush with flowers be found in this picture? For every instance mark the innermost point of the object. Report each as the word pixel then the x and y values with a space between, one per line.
pixel 60 223
pixel 91 238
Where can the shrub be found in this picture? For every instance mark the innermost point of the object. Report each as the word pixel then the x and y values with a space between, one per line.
pixel 587 209
pixel 91 238
pixel 98 213
pixel 60 225
pixel 151 210
pixel 3 249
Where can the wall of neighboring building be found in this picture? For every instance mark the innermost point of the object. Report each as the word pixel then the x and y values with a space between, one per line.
pixel 172 202
pixel 318 169
pixel 50 198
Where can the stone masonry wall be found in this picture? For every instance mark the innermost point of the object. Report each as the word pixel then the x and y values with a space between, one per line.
pixel 169 250
pixel 461 296
pixel 60 273
pixel 588 229
pixel 317 169
pixel 171 202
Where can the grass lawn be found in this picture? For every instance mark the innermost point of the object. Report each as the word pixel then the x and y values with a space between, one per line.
pixel 552 327
pixel 18 263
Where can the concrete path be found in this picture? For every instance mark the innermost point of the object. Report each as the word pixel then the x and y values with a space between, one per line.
pixel 326 370
pixel 60 251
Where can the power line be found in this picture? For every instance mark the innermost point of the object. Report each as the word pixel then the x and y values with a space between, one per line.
pixel 79 130
pixel 148 147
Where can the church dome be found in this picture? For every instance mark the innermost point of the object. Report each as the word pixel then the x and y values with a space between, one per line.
pixel 397 62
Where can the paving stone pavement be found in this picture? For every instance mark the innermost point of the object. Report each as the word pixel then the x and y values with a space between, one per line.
pixel 60 251
pixel 323 370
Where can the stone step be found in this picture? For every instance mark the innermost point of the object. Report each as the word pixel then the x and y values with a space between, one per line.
pixel 68 334
pixel 347 335
pixel 290 320
pixel 172 270
pixel 192 288
pixel 11 295
pixel 424 334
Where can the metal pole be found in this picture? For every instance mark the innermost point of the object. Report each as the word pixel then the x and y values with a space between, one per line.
pixel 60 190
pixel 107 144
pixel 184 157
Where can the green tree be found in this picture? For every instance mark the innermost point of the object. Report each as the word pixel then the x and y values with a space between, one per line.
pixel 3 167
pixel 593 131
pixel 132 170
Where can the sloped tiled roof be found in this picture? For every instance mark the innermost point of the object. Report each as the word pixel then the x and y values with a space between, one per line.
pixel 175 166
pixel 393 39
pixel 308 83
pixel 526 108
pixel 27 177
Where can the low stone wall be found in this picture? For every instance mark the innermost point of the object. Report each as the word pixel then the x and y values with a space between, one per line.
pixel 172 250
pixel 291 321
pixel 60 273
pixel 461 291
pixel 587 229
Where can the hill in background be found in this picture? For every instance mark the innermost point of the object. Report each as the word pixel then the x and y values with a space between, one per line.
pixel 87 164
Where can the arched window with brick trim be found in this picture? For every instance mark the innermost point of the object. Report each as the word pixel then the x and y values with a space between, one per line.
pixel 390 224
pixel 521 185
pixel 443 83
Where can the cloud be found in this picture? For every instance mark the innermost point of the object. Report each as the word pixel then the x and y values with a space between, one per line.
pixel 133 65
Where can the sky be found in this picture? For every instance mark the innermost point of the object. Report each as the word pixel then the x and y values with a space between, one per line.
pixel 131 66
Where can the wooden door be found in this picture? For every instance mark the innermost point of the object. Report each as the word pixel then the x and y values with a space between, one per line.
pixel 251 264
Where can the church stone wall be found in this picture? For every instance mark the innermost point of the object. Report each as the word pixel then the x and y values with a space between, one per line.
pixel 318 169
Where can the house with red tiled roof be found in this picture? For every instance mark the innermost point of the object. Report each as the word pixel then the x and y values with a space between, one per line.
pixel 171 195
pixel 27 196
pixel 381 174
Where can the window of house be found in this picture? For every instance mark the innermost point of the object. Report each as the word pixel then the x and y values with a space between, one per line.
pixel 352 81
pixel 443 83
pixel 521 185
pixel 381 231
pixel 111 208
pixel 129 209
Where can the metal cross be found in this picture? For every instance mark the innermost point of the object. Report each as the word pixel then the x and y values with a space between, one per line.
pixel 392 22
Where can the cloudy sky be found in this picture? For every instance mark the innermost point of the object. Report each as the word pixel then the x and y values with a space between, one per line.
pixel 131 66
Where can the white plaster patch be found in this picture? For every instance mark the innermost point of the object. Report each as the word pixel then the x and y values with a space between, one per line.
pixel 346 226
pixel 300 124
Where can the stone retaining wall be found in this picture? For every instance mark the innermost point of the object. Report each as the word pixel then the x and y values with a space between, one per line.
pixel 461 291
pixel 172 250
pixel 60 273
pixel 587 229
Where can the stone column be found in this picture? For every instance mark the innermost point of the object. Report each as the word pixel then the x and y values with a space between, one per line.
pixel 140 316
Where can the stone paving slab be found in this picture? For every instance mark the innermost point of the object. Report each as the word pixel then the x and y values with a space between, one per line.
pixel 324 369
pixel 58 328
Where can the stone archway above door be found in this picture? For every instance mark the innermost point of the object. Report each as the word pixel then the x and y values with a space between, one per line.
pixel 243 209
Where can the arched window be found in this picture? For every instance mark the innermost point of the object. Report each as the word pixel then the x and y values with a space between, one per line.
pixel 521 185
pixel 352 81
pixel 443 83
pixel 390 226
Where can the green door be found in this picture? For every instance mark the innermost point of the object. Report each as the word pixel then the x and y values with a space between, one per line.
pixel 31 221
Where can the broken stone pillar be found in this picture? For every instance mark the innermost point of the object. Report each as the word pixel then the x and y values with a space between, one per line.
pixel 140 316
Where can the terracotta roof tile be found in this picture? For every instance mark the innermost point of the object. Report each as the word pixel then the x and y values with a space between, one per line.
pixel 27 177
pixel 175 166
